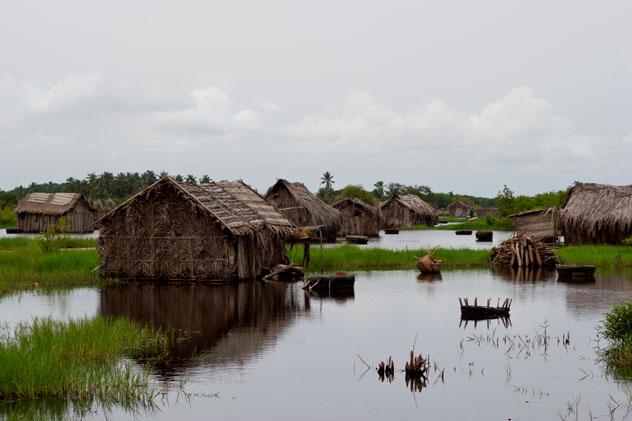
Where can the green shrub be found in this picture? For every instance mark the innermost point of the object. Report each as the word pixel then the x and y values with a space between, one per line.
pixel 617 325
pixel 7 218
pixel 52 238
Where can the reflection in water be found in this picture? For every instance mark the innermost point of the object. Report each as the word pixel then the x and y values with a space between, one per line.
pixel 429 277
pixel 225 323
pixel 524 274
pixel 505 321
pixel 339 296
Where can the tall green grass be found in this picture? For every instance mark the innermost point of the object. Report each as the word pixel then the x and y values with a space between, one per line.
pixel 598 255
pixel 23 265
pixel 80 361
pixel 616 328
pixel 351 257
pixel 7 218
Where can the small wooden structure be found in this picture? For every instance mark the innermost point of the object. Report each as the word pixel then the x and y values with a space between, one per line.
pixel 597 214
pixel 391 231
pixel 303 208
pixel 576 273
pixel 181 231
pixel 540 224
pixel 358 218
pixel 460 209
pixel 39 210
pixel 483 212
pixel 463 232
pixel 487 311
pixel 484 236
pixel 327 283
pixel 406 210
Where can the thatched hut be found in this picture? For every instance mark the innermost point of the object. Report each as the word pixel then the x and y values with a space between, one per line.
pixel 460 209
pixel 358 218
pixel 540 224
pixel 39 210
pixel 406 210
pixel 179 231
pixel 303 208
pixel 597 213
pixel 483 212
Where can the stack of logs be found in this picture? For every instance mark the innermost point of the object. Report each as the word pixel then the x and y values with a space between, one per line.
pixel 524 251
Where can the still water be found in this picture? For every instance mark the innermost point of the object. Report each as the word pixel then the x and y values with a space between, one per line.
pixel 270 351
pixel 425 239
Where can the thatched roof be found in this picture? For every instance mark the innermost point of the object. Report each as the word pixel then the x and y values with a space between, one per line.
pixel 597 213
pixel 459 204
pixel 321 212
pixel 233 204
pixel 49 203
pixel 346 201
pixel 412 202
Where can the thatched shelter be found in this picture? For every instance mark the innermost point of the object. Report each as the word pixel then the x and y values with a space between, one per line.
pixel 460 209
pixel 179 231
pixel 406 210
pixel 539 224
pixel 597 213
pixel 39 210
pixel 483 212
pixel 358 218
pixel 303 208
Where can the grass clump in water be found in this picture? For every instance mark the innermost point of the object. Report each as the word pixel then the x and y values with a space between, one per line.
pixel 80 361
pixel 598 255
pixel 351 257
pixel 617 329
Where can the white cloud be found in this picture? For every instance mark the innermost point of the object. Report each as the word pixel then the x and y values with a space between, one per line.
pixel 86 123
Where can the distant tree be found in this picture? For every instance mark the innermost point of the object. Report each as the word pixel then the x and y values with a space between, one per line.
pixel 394 188
pixel 191 179
pixel 505 201
pixel 328 180
pixel 378 190
pixel 205 179
pixel 178 178
pixel 164 174
pixel 358 192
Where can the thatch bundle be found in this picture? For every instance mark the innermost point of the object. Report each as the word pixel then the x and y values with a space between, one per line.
pixel 459 209
pixel 358 218
pixel 597 213
pixel 178 231
pixel 39 210
pixel 523 251
pixel 303 208
pixel 406 210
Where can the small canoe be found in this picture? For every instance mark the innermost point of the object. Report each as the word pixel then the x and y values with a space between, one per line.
pixel 484 235
pixel 357 239
pixel 391 231
pixel 576 273
pixel 335 282
pixel 463 232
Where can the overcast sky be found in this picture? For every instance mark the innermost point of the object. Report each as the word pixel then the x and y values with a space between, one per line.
pixel 462 96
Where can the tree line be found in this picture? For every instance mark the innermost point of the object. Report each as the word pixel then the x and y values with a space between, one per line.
pixel 121 186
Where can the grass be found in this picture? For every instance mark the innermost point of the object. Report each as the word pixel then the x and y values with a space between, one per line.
pixel 7 218
pixel 350 257
pixel 598 255
pixel 24 265
pixel 81 361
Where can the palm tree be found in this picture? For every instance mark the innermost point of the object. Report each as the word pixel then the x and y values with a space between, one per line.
pixel 205 179
pixel 327 179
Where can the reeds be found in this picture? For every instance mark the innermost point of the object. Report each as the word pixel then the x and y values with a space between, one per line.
pixel 598 255
pixel 80 361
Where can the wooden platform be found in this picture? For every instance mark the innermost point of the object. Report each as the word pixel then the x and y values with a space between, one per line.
pixel 484 235
pixel 486 311
pixel 357 239
pixel 328 283
pixel 576 273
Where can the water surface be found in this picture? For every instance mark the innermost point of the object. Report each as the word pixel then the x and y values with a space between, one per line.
pixel 270 351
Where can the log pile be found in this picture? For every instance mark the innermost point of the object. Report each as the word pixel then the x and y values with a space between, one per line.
pixel 524 251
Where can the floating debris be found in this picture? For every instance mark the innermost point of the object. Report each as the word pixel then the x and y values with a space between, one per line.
pixel 482 312
pixel 386 370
